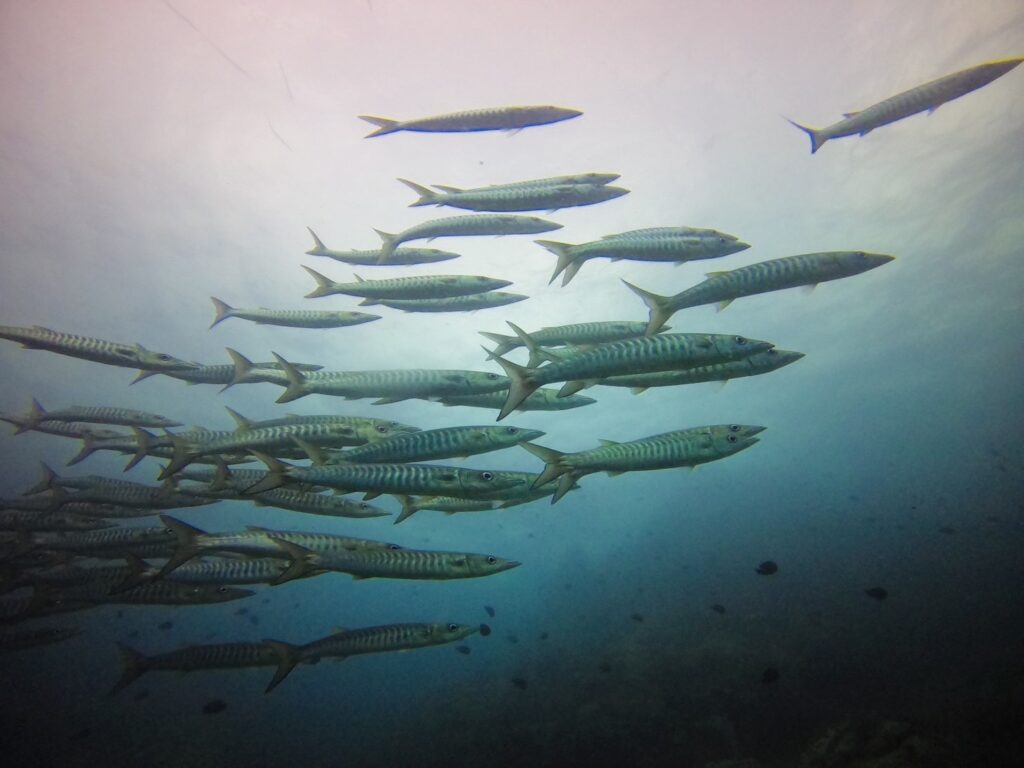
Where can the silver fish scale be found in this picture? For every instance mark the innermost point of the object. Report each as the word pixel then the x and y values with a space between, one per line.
pixel 214 656
pixel 647 353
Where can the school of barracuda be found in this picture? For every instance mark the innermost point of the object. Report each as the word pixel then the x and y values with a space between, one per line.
pixel 63 547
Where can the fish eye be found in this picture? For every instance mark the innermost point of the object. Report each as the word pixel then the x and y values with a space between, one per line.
pixel 492 559
pixel 453 627
pixel 740 340
pixel 732 438
pixel 381 428
pixel 487 475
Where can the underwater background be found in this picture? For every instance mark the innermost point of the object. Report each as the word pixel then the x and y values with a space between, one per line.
pixel 153 154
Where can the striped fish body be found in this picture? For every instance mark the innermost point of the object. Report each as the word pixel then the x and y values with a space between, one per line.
pixel 24 520
pixel 99 415
pixel 401 384
pixel 456 303
pixel 755 365
pixel 33 638
pixel 777 275
pixel 419 287
pixel 681 448
pixel 575 334
pixel 927 97
pixel 317 504
pixel 491 119
pixel 412 564
pixel 298 318
pixel 548 197
pixel 541 400
pixel 439 444
pixel 407 479
pixel 96 350
pixel 654 353
pixel 61 429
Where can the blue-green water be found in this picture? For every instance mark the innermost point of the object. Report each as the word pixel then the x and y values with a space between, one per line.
pixel 153 155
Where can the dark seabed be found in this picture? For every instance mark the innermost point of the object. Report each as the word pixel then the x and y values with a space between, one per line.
pixel 846 593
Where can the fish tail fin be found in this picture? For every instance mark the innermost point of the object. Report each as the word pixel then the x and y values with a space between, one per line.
pixel 318 248
pixel 144 444
pixel 300 562
pixel 296 381
pixel 387 245
pixel 552 459
pixel 409 508
pixel 324 285
pixel 243 367
pixel 88 448
pixel 276 470
pixel 46 482
pixel 816 135
pixel 657 305
pixel 187 544
pixel 505 343
pixel 522 385
pixel 287 657
pixel 384 125
pixel 562 251
pixel 223 310
pixel 427 196
pixel 133 664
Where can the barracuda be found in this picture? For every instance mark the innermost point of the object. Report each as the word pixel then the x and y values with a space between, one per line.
pixel 96 350
pixel 763 277
pixel 480 224
pixel 420 287
pixel 353 642
pixel 194 657
pixel 388 386
pixel 401 256
pixel 544 197
pixel 375 479
pixel 456 303
pixel 575 334
pixel 928 97
pixel 649 247
pixel 291 318
pixel 681 448
pixel 489 119
pixel 647 354
pixel 755 365
pixel 541 400
pixel 444 443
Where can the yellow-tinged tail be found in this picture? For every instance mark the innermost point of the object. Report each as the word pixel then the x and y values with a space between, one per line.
pixel 657 305
pixel 816 135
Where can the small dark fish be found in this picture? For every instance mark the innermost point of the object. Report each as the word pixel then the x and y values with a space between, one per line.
pixel 949 531
pixel 512 638
pixel 543 635
pixel 81 735
pixel 490 611
pixel 636 616
pixel 143 694
pixel 485 630
pixel 241 612
pixel 718 608
pixel 165 625
pixel 878 593
pixel 605 667
pixel 215 706
pixel 465 650
pixel 767 568
pixel 770 676
pixel 519 683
